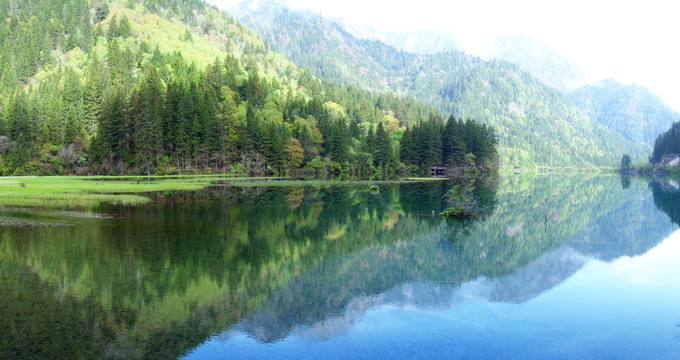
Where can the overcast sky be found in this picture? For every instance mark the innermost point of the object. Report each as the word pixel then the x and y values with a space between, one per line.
pixel 631 41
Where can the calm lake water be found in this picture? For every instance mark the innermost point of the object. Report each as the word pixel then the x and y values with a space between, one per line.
pixel 566 267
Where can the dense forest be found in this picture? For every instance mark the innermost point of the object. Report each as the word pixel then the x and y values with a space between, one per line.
pixel 168 86
pixel 535 124
pixel 666 143
pixel 630 110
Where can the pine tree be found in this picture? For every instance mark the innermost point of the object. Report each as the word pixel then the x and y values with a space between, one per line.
pixel 183 120
pixel 253 133
pixel 625 162
pixel 102 12
pixel 272 146
pixel 199 125
pixel 453 144
pixel 113 28
pixel 383 147
pixel 118 128
pixel 124 27
pixel 354 130
pixel 338 142
pixel 406 148
pixel 146 106
pixel 21 130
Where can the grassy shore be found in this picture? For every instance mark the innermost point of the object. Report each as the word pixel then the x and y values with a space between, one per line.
pixel 70 191
pixel 73 191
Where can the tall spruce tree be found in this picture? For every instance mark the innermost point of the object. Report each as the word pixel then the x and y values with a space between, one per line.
pixel 146 105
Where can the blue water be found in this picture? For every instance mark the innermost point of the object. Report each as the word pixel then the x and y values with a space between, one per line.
pixel 627 309
pixel 568 303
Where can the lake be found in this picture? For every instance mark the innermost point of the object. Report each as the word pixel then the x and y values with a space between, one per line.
pixel 563 266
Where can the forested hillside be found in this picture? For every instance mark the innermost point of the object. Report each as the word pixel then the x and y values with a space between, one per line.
pixel 630 110
pixel 170 86
pixel 539 60
pixel 536 125
pixel 667 143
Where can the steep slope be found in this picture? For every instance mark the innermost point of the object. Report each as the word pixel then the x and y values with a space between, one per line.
pixel 419 41
pixel 535 124
pixel 633 111
pixel 539 60
pixel 172 87
pixel 530 55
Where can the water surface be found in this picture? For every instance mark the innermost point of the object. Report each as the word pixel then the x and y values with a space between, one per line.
pixel 556 267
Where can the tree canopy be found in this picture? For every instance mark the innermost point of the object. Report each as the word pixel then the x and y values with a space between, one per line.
pixel 179 87
pixel 667 143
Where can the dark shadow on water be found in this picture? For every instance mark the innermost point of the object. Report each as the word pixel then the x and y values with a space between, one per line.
pixel 667 199
pixel 625 181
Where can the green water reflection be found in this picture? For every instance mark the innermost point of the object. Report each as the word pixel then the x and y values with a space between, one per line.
pixel 157 280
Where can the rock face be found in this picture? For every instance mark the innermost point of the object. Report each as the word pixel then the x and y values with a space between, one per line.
pixel 670 159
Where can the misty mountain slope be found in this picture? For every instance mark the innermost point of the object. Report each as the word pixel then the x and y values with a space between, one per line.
pixel 346 59
pixel 538 59
pixel 536 125
pixel 631 110
pixel 418 41
pixel 529 54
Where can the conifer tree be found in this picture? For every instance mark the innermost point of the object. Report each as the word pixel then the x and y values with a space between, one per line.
pixel 272 146
pixel 102 11
pixel 383 146
pixel 338 142
pixel 146 106
pixel 106 147
pixel 406 148
pixel 113 28
pixel 124 27
pixel 21 129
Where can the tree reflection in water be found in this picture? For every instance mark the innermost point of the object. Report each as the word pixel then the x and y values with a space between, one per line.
pixel 157 280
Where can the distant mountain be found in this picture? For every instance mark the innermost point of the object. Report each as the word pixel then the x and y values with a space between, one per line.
pixel 538 59
pixel 419 42
pixel 631 110
pixel 536 125
pixel 541 61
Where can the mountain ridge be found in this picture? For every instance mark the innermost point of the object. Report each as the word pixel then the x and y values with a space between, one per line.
pixel 535 124
pixel 633 111
pixel 178 87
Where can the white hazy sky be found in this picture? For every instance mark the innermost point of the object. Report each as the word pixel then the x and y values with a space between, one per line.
pixel 634 42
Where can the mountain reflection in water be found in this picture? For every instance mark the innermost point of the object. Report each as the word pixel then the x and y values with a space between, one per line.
pixel 192 273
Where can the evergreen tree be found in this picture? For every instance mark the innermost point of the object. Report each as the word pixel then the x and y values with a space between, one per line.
pixel 338 142
pixel 354 131
pixel 252 133
pixel 383 147
pixel 102 11
pixel 124 27
pixel 453 145
pixel 199 126
pixel 146 106
pixel 272 146
pixel 113 28
pixel 625 162
pixel 406 148
pixel 370 143
pixel 21 129
pixel 110 146
pixel 666 143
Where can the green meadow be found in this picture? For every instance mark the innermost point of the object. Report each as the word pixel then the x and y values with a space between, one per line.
pixel 87 191
pixel 71 191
